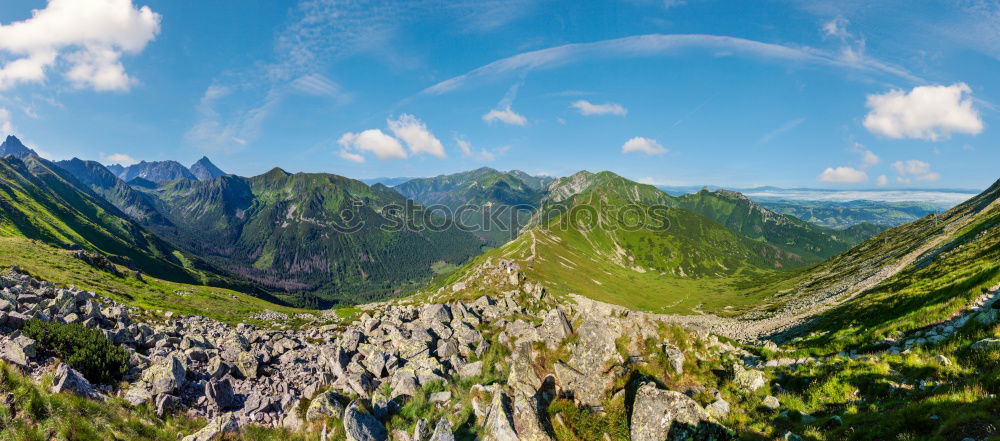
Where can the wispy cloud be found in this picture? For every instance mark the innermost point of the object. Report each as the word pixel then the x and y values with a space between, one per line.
pixel 588 108
pixel 480 155
pixel 661 45
pixel 780 130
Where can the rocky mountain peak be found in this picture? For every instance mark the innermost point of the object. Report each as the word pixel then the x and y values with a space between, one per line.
pixel 14 147
pixel 205 170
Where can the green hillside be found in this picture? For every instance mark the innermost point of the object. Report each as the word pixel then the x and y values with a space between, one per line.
pixel 584 241
pixel 946 261
pixel 738 213
pixel 42 201
pixel 513 196
pixel 280 230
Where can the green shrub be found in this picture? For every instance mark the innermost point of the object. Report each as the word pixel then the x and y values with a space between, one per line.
pixel 84 349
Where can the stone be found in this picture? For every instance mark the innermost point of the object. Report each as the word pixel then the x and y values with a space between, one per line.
pixel 748 379
pixel 217 368
pixel 248 365
pixel 217 428
pixel 422 431
pixel 19 350
pixel 436 313
pixel 675 357
pixel 69 380
pixel 789 436
pixel 326 405
pixel 359 425
pixel 471 370
pixel 718 409
pixel 443 431
pixel 220 393
pixel 942 360
pixel 986 344
pixel 660 415
pixel 165 404
pixel 165 377
pixel 771 402
pixel 499 425
pixel 440 397
pixel 527 418
pixel 555 328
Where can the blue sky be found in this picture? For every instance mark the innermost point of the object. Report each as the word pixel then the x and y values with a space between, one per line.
pixel 895 94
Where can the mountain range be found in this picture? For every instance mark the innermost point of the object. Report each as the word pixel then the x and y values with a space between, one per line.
pixel 276 229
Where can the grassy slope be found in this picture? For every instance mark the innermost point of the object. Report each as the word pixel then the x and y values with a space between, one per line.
pixel 814 244
pixel 60 266
pixel 694 265
pixel 42 201
pixel 964 264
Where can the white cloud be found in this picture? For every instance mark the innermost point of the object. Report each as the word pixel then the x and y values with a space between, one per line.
pixel 843 175
pixel 643 145
pixel 506 116
pixel 6 126
pixel 882 180
pixel 373 141
pixel 836 28
pixel 468 152
pixel 351 156
pixel 119 158
pixel 914 170
pixel 925 112
pixel 587 108
pixel 911 167
pixel 91 37
pixel 659 45
pixel 416 135
pixel 869 159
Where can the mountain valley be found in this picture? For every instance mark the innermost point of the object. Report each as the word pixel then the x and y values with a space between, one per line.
pixel 314 306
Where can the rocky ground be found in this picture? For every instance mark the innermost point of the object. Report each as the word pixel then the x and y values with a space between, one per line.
pixel 509 355
pixel 362 371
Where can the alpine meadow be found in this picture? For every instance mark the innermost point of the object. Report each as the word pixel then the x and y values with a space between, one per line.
pixel 521 220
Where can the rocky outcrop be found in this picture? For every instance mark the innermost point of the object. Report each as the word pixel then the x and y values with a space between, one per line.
pixel 663 415
pixel 359 425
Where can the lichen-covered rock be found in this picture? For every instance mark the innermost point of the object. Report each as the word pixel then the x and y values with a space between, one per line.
pixel 217 428
pixel 986 344
pixel 443 431
pixel 771 402
pixel 220 393
pixel 247 364
pixel 359 425
pixel 675 357
pixel 555 328
pixel 499 425
pixel 326 405
pixel 165 377
pixel 663 415
pixel 422 431
pixel 528 419
pixel 748 379
pixel 68 379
